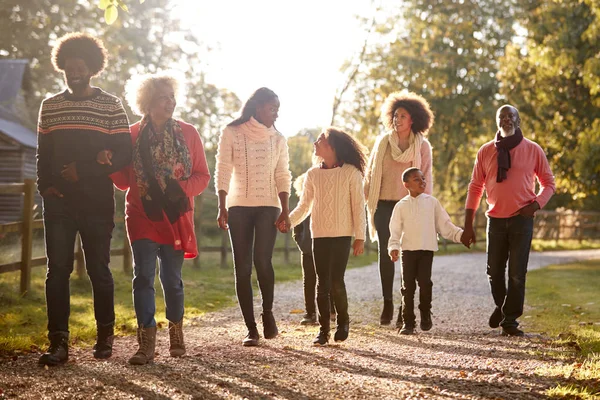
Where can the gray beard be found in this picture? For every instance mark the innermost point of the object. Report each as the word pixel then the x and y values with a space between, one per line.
pixel 508 133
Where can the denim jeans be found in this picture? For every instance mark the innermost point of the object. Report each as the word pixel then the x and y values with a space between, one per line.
pixel 382 217
pixel 416 267
pixel 252 232
pixel 331 258
pixel 61 224
pixel 145 253
pixel 508 239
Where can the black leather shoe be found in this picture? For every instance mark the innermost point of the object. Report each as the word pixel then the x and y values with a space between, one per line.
pixel 341 332
pixel 104 342
pixel 495 318
pixel 407 330
pixel 388 312
pixel 511 331
pixel 58 352
pixel 321 339
pixel 269 325
pixel 251 338
pixel 399 321
pixel 426 322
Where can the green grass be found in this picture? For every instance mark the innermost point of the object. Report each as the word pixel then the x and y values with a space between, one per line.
pixel 564 303
pixel 209 288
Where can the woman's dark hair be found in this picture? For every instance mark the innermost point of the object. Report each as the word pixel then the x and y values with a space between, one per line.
pixel 80 45
pixel 418 108
pixel 258 98
pixel 347 149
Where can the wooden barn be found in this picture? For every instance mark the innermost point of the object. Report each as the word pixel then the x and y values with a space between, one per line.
pixel 18 139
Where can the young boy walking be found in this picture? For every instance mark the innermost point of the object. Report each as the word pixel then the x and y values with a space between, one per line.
pixel 414 225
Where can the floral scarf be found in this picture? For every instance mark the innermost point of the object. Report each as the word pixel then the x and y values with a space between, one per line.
pixel 160 160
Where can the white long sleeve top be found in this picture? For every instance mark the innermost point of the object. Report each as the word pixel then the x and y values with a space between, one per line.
pixel 416 221
pixel 335 200
pixel 252 165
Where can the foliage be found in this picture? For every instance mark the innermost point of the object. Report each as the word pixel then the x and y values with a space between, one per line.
pixel 448 52
pixel 111 9
pixel 553 77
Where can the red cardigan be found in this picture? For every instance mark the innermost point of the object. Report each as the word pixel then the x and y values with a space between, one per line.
pixel 181 235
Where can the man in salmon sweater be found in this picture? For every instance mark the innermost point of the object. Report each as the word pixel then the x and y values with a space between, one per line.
pixel 507 168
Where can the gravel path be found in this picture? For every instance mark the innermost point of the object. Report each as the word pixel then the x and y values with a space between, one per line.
pixel 460 358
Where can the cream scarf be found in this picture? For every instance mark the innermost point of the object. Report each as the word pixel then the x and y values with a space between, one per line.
pixel 412 154
pixel 256 131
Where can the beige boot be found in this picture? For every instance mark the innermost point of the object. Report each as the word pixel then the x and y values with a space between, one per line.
pixel 147 343
pixel 177 347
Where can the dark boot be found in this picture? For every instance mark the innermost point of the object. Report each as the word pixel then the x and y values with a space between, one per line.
pixel 146 338
pixel 251 338
pixel 341 332
pixel 426 322
pixel 309 319
pixel 104 341
pixel 269 325
pixel 388 312
pixel 399 321
pixel 58 352
pixel 176 344
pixel 322 338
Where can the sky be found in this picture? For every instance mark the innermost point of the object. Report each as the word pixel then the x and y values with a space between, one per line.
pixel 294 48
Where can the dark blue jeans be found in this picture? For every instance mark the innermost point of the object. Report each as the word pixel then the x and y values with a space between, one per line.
pixel 61 224
pixel 252 232
pixel 145 253
pixel 382 217
pixel 508 239
pixel 331 258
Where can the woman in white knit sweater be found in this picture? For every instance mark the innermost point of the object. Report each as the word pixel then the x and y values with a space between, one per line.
pixel 253 182
pixel 407 117
pixel 333 196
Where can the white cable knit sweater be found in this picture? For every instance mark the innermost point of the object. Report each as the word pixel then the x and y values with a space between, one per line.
pixel 335 200
pixel 252 165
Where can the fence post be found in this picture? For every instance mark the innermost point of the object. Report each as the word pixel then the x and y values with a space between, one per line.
pixel 79 261
pixel 199 203
pixel 223 249
pixel 27 235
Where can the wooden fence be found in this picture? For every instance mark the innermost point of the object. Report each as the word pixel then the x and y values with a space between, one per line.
pixel 555 225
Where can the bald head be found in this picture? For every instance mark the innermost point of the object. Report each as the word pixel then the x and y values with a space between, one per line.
pixel 507 119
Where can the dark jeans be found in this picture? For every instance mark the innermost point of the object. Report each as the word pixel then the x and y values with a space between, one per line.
pixel 145 253
pixel 309 281
pixel 61 224
pixel 508 239
pixel 382 217
pixel 331 258
pixel 416 267
pixel 252 231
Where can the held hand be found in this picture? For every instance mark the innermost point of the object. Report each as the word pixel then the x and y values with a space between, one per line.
pixel 395 255
pixel 283 223
pixel 529 210
pixel 468 237
pixel 358 246
pixel 69 173
pixel 104 157
pixel 51 191
pixel 223 218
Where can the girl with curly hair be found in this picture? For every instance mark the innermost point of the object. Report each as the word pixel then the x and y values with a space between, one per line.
pixel 333 196
pixel 408 118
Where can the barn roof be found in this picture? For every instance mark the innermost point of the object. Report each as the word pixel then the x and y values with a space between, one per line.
pixel 11 82
pixel 18 132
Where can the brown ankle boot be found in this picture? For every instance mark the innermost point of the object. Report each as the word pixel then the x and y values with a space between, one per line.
pixel 147 343
pixel 176 347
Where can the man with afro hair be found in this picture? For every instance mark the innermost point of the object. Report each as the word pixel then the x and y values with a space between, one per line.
pixel 83 137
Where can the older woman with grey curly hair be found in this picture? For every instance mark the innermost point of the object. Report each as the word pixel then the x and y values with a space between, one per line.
pixel 407 118
pixel 168 169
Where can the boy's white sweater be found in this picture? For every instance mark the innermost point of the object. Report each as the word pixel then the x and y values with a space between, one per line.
pixel 335 200
pixel 252 165
pixel 416 221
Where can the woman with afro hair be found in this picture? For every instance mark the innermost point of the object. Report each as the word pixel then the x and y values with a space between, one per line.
pixel 83 137
pixel 407 118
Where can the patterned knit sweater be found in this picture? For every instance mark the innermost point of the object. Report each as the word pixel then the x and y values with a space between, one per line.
pixel 74 130
pixel 252 165
pixel 335 200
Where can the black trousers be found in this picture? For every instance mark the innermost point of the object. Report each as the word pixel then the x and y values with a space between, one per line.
pixel 382 217
pixel 331 258
pixel 416 268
